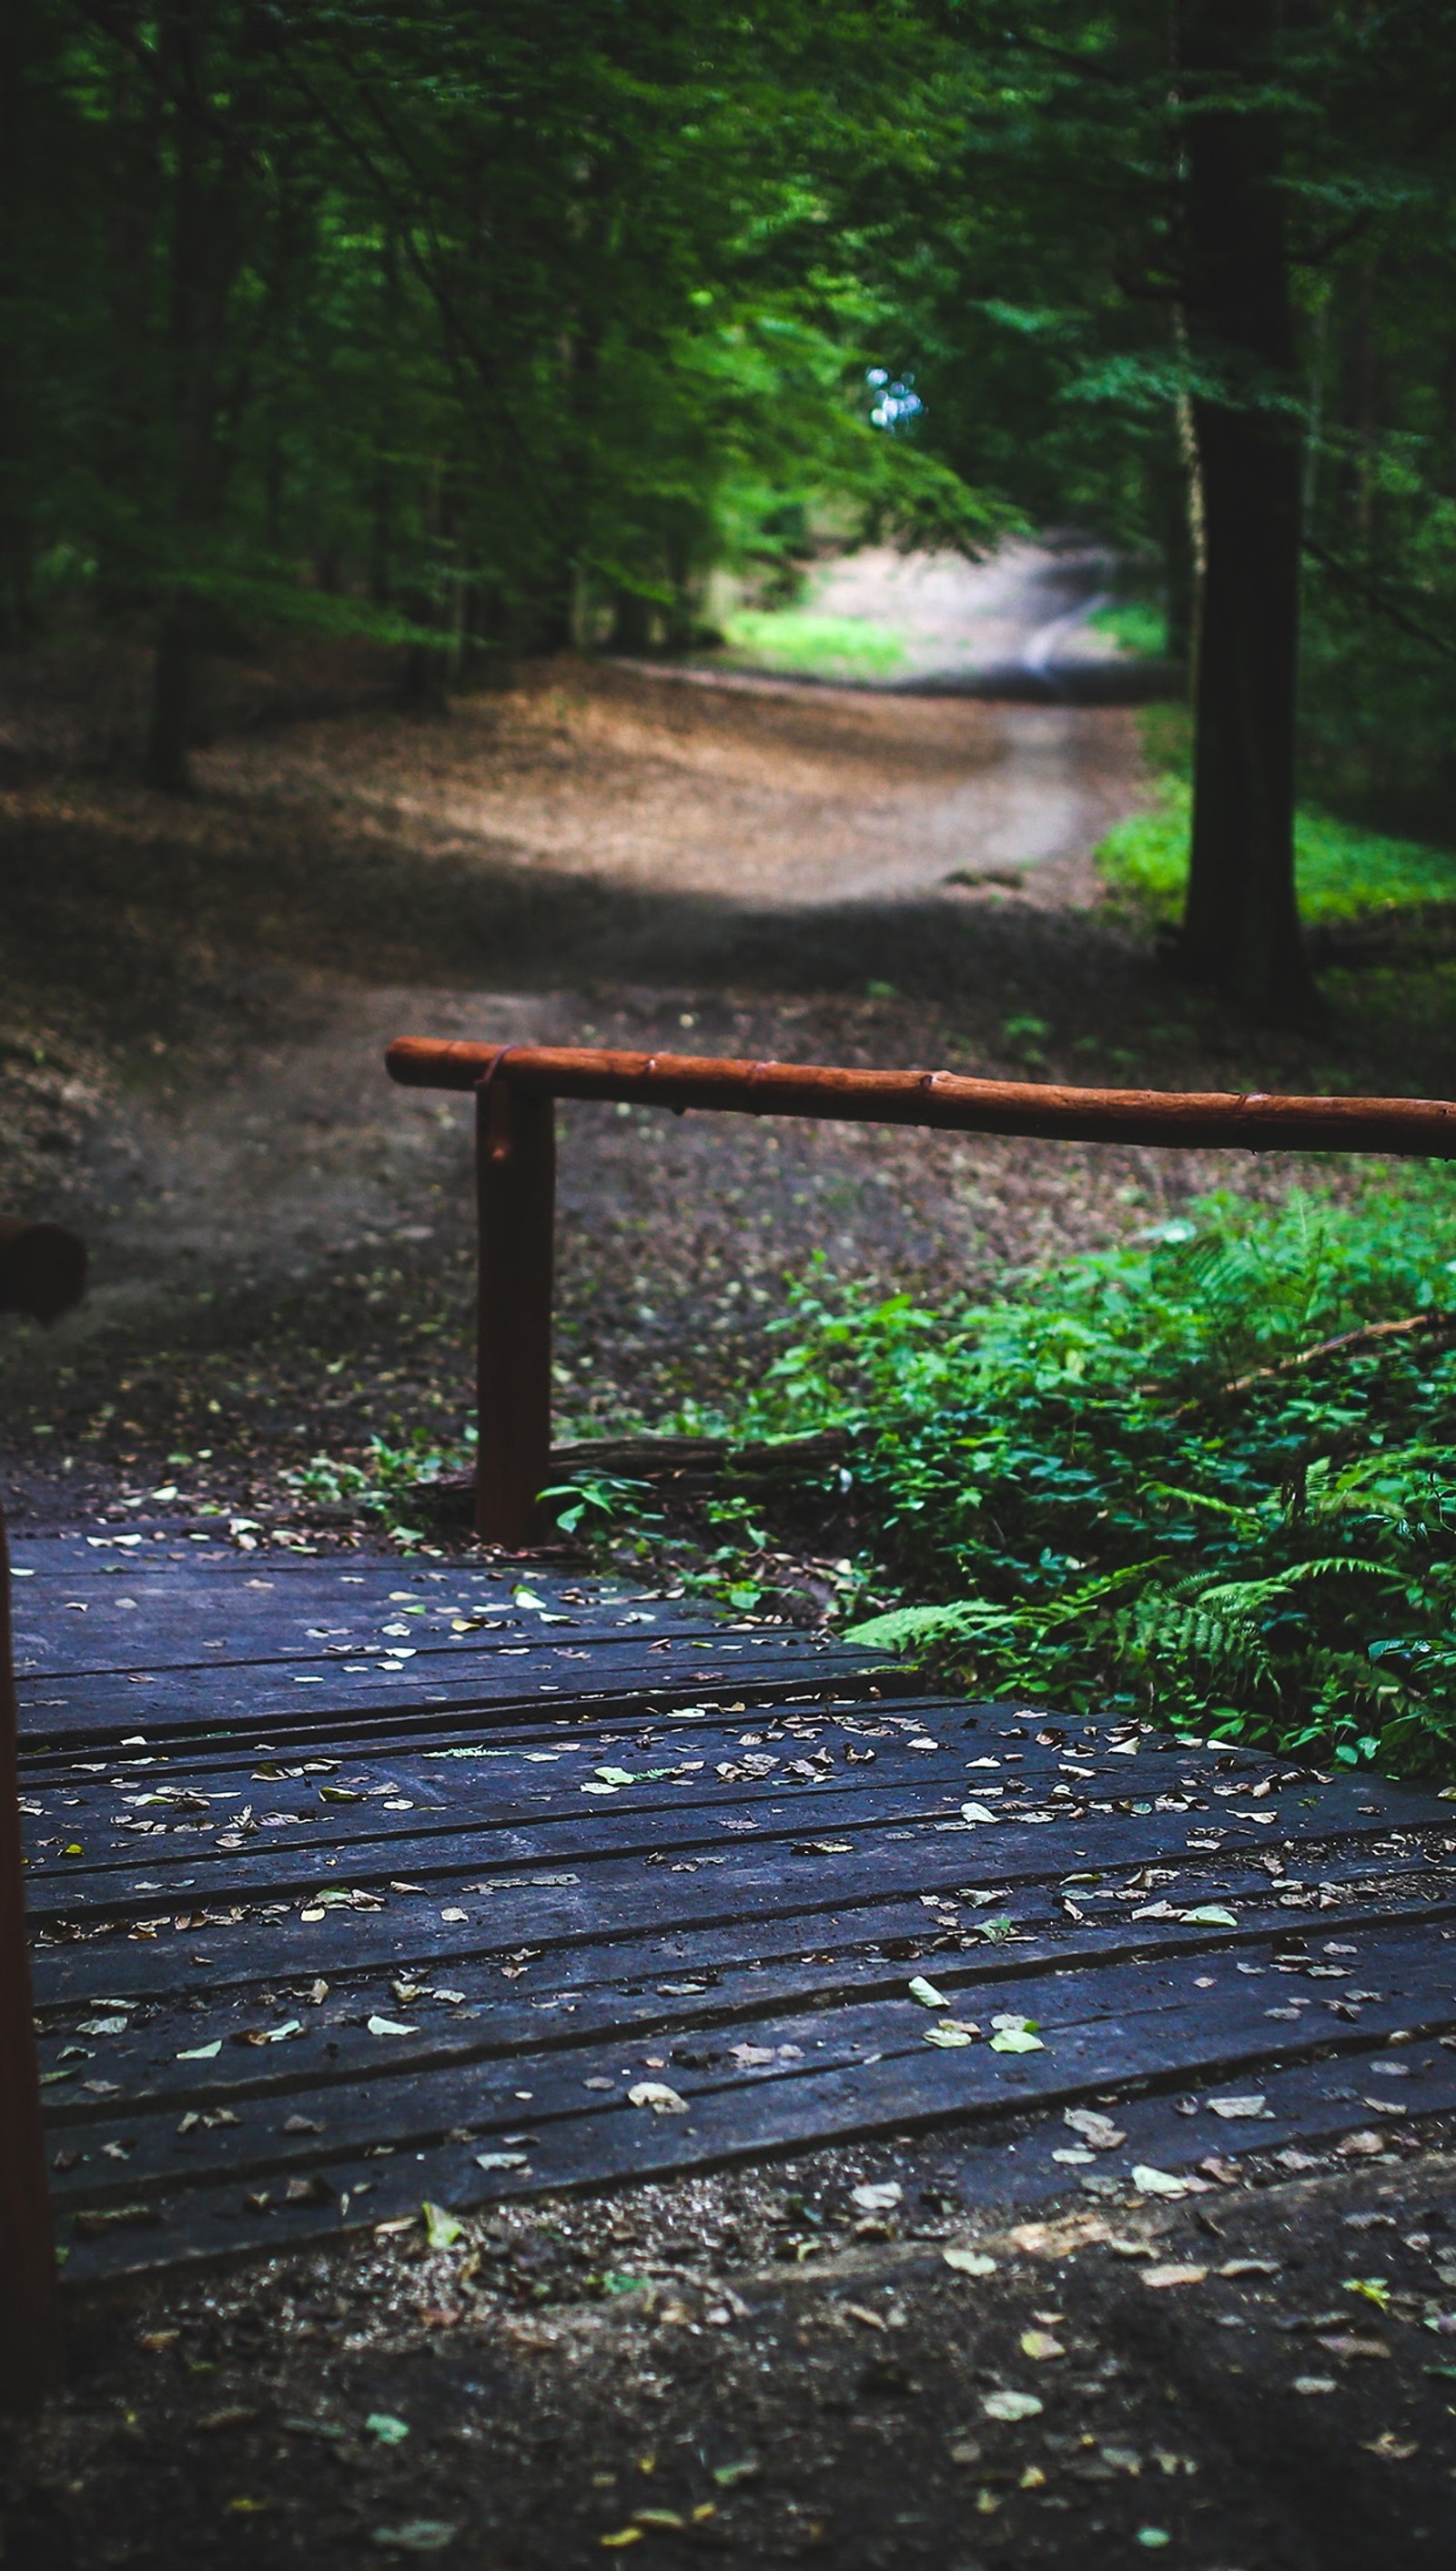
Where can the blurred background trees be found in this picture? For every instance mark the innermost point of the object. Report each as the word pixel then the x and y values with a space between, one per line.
pixel 483 330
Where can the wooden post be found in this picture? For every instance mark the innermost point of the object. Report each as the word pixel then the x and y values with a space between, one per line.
pixel 515 1169
pixel 30 2321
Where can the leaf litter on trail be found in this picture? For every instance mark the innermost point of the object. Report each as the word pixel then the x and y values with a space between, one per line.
pixel 1010 2405
pixel 1097 2130
pixel 1016 2035
pixel 385 2429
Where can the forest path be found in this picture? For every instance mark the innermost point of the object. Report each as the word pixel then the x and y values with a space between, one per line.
pixel 548 861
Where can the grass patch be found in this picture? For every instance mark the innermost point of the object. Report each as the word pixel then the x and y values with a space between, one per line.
pixel 1145 1486
pixel 806 644
pixel 1135 624
pixel 1343 871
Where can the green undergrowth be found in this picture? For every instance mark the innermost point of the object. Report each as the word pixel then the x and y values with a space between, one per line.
pixel 1343 872
pixel 1142 1484
pixel 804 644
pixel 1136 624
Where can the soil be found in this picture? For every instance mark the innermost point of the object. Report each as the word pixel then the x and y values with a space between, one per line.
pixel 749 2367
pixel 197 997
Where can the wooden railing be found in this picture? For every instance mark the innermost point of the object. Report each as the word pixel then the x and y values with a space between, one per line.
pixel 516 1087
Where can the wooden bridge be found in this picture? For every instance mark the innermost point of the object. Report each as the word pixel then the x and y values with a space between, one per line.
pixel 355 1882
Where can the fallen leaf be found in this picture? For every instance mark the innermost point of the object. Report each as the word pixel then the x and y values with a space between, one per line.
pixel 1057 2239
pixel 727 2475
pixel 442 2229
pixel 501 2160
pixel 1361 2146
pixel 1210 1915
pixel 1016 2035
pixel 1099 2131
pixel 623 2535
pixel 1010 2405
pixel 1174 2275
pixel 418 2535
pixel 382 2424
pixel 1392 2449
pixel 657 2095
pixel 969 2263
pixel 1249 2268
pixel 919 1990
pixel 202 2052
pixel 976 1812
pixel 876 2196
pixel 950 2035
pixel 390 2026
pixel 1253 2105
pixel 1040 2345
pixel 1314 2383
pixel 1157 2182
pixel 1344 2343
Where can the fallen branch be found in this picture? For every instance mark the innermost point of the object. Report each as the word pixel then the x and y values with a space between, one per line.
pixel 1416 1326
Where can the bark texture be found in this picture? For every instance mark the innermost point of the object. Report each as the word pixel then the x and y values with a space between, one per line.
pixel 1240 929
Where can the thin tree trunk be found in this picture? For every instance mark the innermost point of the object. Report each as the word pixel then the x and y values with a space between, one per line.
pixel 170 728
pixel 207 245
pixel 1240 929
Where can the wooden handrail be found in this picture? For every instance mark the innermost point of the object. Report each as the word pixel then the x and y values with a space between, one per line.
pixel 516 1086
pixel 1403 1128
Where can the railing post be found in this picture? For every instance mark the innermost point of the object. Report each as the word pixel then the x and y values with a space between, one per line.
pixel 515 1173
pixel 30 2319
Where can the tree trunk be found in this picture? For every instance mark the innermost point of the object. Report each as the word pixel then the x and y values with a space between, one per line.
pixel 207 233
pixel 1240 929
pixel 631 621
pixel 168 761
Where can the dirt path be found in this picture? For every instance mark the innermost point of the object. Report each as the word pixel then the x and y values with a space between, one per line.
pixel 601 854
pixel 597 856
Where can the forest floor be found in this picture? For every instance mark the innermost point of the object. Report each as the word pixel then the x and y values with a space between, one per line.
pixel 197 995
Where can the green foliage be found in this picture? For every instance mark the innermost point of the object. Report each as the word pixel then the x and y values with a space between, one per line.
pixel 1142 1482
pixel 1343 871
pixel 1136 624
pixel 812 645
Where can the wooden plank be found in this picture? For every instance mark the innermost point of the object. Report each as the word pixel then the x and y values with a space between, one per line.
pixel 111 1710
pixel 543 1824
pixel 651 1980
pixel 1063 1994
pixel 865 2081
